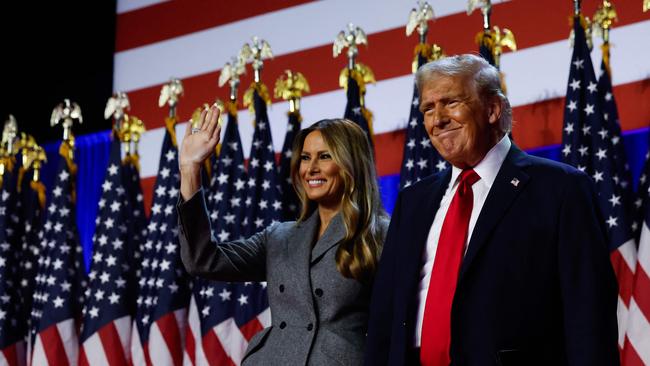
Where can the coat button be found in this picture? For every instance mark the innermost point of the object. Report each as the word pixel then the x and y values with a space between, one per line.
pixel 319 292
pixel 310 326
pixel 283 325
pixel 281 288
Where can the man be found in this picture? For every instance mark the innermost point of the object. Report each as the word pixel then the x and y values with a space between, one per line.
pixel 500 260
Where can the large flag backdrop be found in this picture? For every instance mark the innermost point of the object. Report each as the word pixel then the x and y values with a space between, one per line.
pixel 192 39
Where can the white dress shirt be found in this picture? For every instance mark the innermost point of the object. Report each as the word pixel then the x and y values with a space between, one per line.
pixel 487 169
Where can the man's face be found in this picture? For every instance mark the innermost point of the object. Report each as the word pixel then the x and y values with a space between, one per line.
pixel 461 126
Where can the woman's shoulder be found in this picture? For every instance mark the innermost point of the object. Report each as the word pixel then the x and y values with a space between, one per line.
pixel 282 229
pixel 384 222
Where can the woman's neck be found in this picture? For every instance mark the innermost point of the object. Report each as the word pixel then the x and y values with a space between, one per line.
pixel 326 214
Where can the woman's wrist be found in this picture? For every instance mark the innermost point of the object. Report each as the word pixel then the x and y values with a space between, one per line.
pixel 190 168
pixel 190 179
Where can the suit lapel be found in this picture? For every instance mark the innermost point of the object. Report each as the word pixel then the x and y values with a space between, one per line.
pixel 510 181
pixel 334 233
pixel 427 202
pixel 299 251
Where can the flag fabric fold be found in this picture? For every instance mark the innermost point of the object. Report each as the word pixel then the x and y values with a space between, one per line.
pixel 61 276
pixel 13 321
pixel 110 297
pixel 163 285
pixel 355 111
pixel 290 201
pixel 587 144
pixel 420 158
pixel 636 349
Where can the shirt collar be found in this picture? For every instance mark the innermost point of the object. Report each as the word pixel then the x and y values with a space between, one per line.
pixel 488 168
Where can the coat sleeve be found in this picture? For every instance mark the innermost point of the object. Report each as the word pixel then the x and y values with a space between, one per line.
pixel 381 304
pixel 236 261
pixel 587 282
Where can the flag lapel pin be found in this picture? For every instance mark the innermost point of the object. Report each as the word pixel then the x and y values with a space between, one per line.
pixel 514 182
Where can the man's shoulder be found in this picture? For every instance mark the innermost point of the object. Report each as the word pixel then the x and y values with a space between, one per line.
pixel 539 167
pixel 425 185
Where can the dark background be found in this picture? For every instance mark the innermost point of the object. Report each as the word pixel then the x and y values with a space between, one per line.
pixel 51 51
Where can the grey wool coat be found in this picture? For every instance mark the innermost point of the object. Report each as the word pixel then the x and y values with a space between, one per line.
pixel 318 316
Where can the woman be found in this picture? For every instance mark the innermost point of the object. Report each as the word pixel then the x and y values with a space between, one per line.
pixel 318 269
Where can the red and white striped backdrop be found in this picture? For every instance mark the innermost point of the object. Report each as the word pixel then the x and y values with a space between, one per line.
pixel 192 39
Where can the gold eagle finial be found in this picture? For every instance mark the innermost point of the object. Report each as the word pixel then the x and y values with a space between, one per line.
pixel 291 86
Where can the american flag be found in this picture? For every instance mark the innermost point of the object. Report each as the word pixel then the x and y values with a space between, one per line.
pixel 144 38
pixel 110 296
pixel 290 201
pixel 587 143
pixel 32 204
pixel 420 159
pixel 622 175
pixel 224 316
pixel 12 321
pixel 263 205
pixel 61 276
pixel 355 111
pixel 163 289
pixel 636 351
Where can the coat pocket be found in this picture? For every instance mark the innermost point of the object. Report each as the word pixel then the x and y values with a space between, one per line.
pixel 341 350
pixel 512 357
pixel 257 342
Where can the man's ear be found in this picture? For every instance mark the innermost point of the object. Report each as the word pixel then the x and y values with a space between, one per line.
pixel 494 110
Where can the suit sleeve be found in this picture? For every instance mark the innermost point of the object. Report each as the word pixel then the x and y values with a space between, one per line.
pixel 381 304
pixel 203 256
pixel 587 282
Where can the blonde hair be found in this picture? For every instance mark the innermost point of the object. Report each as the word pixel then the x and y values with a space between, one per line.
pixel 357 256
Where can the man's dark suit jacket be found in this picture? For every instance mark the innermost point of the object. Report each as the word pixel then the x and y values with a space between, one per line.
pixel 535 287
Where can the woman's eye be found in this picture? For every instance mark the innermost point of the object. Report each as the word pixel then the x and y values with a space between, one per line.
pixel 304 157
pixel 325 156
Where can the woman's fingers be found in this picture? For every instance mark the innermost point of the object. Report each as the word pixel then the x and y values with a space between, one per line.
pixel 205 121
pixel 213 122
pixel 216 134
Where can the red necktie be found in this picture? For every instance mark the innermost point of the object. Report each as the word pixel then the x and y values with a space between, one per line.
pixel 436 325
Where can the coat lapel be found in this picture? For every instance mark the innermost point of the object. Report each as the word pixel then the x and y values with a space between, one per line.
pixel 427 202
pixel 510 181
pixel 299 251
pixel 334 233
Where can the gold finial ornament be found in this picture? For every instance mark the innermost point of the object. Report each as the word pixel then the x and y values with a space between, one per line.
pixel 33 155
pixel 496 40
pixel 419 18
pixel 9 133
pixel 66 113
pixel 354 37
pixel 256 53
pixel 291 86
pixel 231 72
pixel 587 25
pixel 603 19
pixel 7 158
pixel 116 106
pixel 170 94
pixel 486 9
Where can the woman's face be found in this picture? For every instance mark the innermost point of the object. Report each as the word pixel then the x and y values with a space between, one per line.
pixel 319 174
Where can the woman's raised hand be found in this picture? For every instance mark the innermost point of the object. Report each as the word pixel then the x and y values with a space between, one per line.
pixel 200 142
